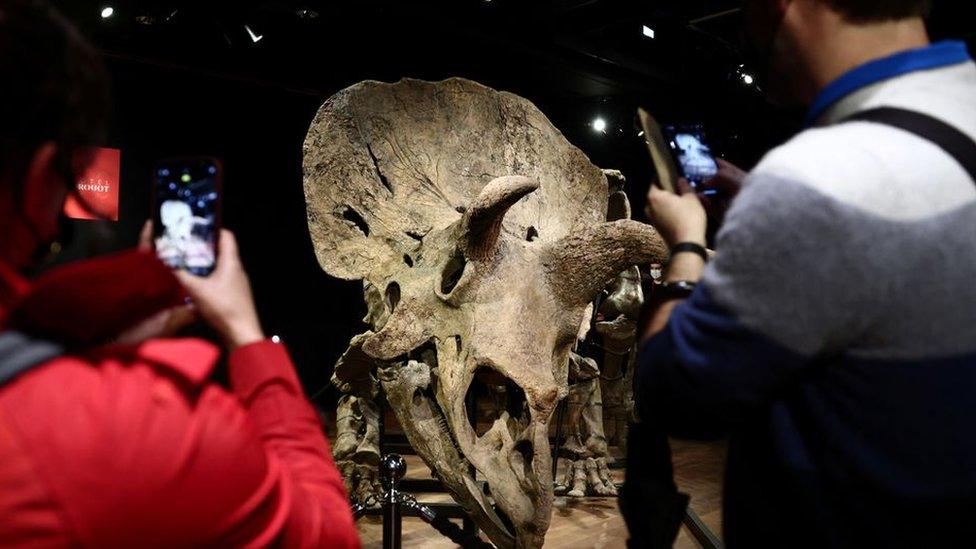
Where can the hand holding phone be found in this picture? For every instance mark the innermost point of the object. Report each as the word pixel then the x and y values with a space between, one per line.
pixel 693 156
pixel 718 192
pixel 224 299
pixel 186 213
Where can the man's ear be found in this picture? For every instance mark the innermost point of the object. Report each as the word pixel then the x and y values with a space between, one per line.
pixel 41 167
pixel 44 185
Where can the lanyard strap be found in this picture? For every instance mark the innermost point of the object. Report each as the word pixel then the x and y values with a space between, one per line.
pixel 953 141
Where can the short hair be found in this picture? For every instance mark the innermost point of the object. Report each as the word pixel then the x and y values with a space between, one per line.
pixel 865 11
pixel 53 87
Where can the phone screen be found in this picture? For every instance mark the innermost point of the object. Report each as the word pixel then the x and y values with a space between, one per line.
pixel 186 210
pixel 692 153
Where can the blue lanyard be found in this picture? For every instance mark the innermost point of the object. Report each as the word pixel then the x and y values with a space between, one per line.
pixel 938 55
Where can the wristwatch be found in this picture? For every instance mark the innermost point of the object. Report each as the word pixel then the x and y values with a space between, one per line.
pixel 677 289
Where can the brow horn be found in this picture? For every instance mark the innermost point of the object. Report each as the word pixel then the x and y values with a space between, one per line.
pixel 581 264
pixel 482 222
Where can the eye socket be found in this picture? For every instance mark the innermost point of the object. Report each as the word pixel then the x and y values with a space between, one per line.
pixel 452 272
pixel 392 296
pixel 489 394
pixel 356 219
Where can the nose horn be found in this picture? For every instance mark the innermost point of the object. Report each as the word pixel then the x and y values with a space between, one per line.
pixel 581 264
pixel 482 222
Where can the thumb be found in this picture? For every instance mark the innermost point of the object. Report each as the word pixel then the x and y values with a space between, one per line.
pixel 145 237
pixel 194 285
pixel 227 252
pixel 655 193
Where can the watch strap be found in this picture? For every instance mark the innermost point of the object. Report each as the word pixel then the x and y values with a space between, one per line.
pixel 677 288
pixel 690 247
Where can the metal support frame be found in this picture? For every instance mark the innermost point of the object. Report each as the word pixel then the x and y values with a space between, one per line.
pixel 702 534
pixel 396 504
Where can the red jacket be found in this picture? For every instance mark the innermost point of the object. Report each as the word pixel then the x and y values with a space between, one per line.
pixel 132 447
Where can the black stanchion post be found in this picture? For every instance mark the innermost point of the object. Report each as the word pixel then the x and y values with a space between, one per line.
pixel 392 469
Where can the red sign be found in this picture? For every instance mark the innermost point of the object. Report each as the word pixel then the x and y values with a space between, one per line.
pixel 97 188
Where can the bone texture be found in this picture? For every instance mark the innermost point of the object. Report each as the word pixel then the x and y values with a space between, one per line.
pixel 459 207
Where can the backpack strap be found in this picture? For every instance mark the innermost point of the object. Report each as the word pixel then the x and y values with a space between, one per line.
pixel 953 141
pixel 20 353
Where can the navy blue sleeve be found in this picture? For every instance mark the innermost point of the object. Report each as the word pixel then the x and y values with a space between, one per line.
pixel 705 373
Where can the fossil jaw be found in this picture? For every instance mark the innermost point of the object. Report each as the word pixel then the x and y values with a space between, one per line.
pixel 409 389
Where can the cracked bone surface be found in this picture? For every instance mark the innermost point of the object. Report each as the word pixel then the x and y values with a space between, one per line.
pixel 468 214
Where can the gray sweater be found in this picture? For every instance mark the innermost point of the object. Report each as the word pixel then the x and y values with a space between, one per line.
pixel 834 334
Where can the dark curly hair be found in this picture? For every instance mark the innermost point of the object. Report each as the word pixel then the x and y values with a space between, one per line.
pixel 53 87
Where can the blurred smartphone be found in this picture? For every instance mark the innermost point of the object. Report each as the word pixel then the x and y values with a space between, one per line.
pixel 667 172
pixel 692 154
pixel 186 213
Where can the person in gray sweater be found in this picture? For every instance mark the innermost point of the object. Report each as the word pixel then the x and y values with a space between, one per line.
pixel 833 335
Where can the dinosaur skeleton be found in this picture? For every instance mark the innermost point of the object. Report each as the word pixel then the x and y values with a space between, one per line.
pixel 481 232
pixel 604 393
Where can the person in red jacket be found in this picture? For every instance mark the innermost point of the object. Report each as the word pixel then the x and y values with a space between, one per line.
pixel 122 440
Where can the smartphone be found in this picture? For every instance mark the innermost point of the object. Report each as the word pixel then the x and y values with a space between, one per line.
pixel 692 153
pixel 667 173
pixel 186 213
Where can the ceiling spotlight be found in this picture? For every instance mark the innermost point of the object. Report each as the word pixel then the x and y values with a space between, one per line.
pixel 107 12
pixel 254 37
pixel 599 125
pixel 648 32
pixel 748 79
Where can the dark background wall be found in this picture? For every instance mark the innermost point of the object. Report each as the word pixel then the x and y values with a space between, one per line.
pixel 190 80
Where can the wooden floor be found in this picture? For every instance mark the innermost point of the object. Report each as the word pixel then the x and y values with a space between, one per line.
pixel 590 522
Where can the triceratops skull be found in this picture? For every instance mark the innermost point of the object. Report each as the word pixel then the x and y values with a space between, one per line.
pixel 483 229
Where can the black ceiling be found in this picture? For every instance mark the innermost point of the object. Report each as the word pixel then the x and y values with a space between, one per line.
pixel 542 48
pixel 190 79
pixel 583 47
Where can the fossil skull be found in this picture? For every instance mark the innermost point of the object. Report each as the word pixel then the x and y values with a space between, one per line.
pixel 483 230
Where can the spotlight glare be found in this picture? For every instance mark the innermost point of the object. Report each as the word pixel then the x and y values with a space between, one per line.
pixel 648 32
pixel 107 12
pixel 599 125
pixel 254 37
pixel 748 79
